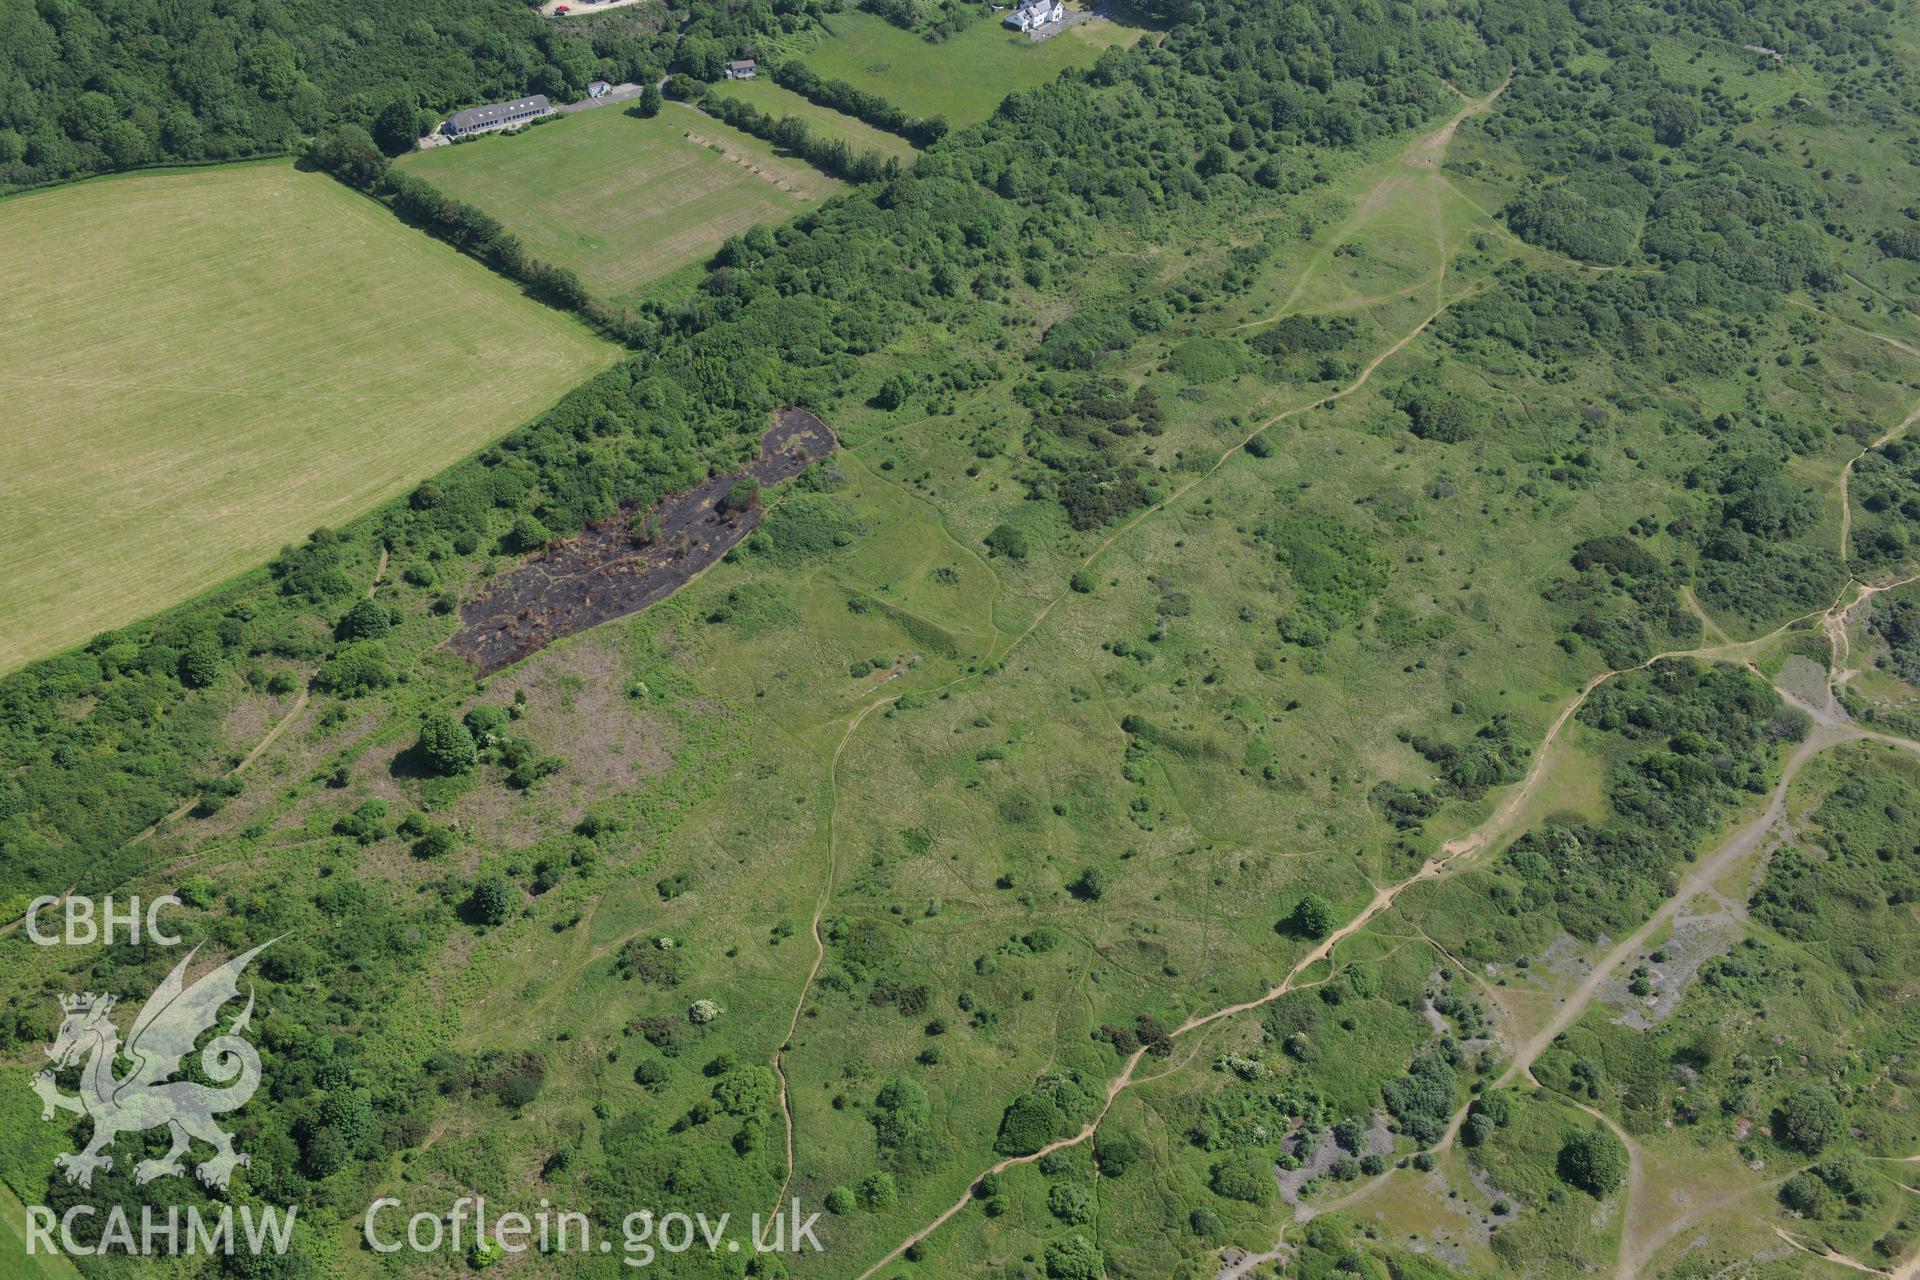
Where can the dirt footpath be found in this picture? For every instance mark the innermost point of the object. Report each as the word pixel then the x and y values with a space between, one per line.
pixel 608 571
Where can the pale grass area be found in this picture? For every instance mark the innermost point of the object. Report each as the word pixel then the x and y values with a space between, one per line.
pixel 963 78
pixel 201 367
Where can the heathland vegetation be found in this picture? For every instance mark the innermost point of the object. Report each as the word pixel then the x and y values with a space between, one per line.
pixel 1287 694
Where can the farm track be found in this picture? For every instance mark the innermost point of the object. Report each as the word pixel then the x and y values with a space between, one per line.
pixel 1832 730
pixel 1837 1259
pixel 181 810
pixel 272 735
pixel 819 943
pixel 1899 344
pixel 1735 849
pixel 1424 156
pixel 1482 837
pixel 1461 849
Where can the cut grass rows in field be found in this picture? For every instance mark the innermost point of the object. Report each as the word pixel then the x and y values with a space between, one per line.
pixel 822 122
pixel 622 200
pixel 201 367
pixel 962 79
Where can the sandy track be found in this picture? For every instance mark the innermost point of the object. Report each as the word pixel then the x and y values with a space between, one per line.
pixel 1830 731
pixel 1381 900
pixel 1120 1082
pixel 1846 480
pixel 819 944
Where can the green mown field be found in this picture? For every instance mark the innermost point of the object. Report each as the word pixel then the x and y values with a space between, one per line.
pixel 14 1258
pixel 622 200
pixel 200 367
pixel 964 78
pixel 823 122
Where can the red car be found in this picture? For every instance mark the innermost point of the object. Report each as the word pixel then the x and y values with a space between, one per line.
pixel 560 9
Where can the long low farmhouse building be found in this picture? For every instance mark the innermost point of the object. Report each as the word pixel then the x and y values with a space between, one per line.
pixel 501 115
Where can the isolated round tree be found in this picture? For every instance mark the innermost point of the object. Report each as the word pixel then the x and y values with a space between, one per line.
pixel 351 153
pixel 367 620
pixel 1809 1119
pixel 487 723
pixel 1248 1177
pixel 492 901
pixel 742 495
pixel 1115 1155
pixel 1070 1202
pixel 1313 916
pixel 397 127
pixel 1805 1194
pixel 446 746
pixel 528 534
pixel 200 666
pixel 1594 1161
pixel 878 1191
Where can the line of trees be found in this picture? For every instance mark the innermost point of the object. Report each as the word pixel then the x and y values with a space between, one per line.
pixel 350 154
pixel 831 155
pixel 858 103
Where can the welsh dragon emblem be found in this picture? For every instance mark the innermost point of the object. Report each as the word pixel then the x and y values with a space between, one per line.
pixel 146 1096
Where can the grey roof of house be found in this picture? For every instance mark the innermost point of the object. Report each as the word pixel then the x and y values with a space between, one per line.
pixel 739 63
pixel 473 117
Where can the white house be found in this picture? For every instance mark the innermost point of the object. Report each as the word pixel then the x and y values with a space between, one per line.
pixel 597 88
pixel 743 69
pixel 1030 15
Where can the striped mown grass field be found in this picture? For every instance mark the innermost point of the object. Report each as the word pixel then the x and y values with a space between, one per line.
pixel 202 366
pixel 623 200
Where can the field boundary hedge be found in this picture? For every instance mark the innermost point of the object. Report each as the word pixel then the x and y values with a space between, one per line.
pixel 350 156
pixel 835 156
pixel 848 99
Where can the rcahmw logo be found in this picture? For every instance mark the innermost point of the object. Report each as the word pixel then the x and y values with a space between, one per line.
pixel 146 1097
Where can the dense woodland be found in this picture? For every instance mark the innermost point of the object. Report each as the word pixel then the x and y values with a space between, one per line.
pixel 89 88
